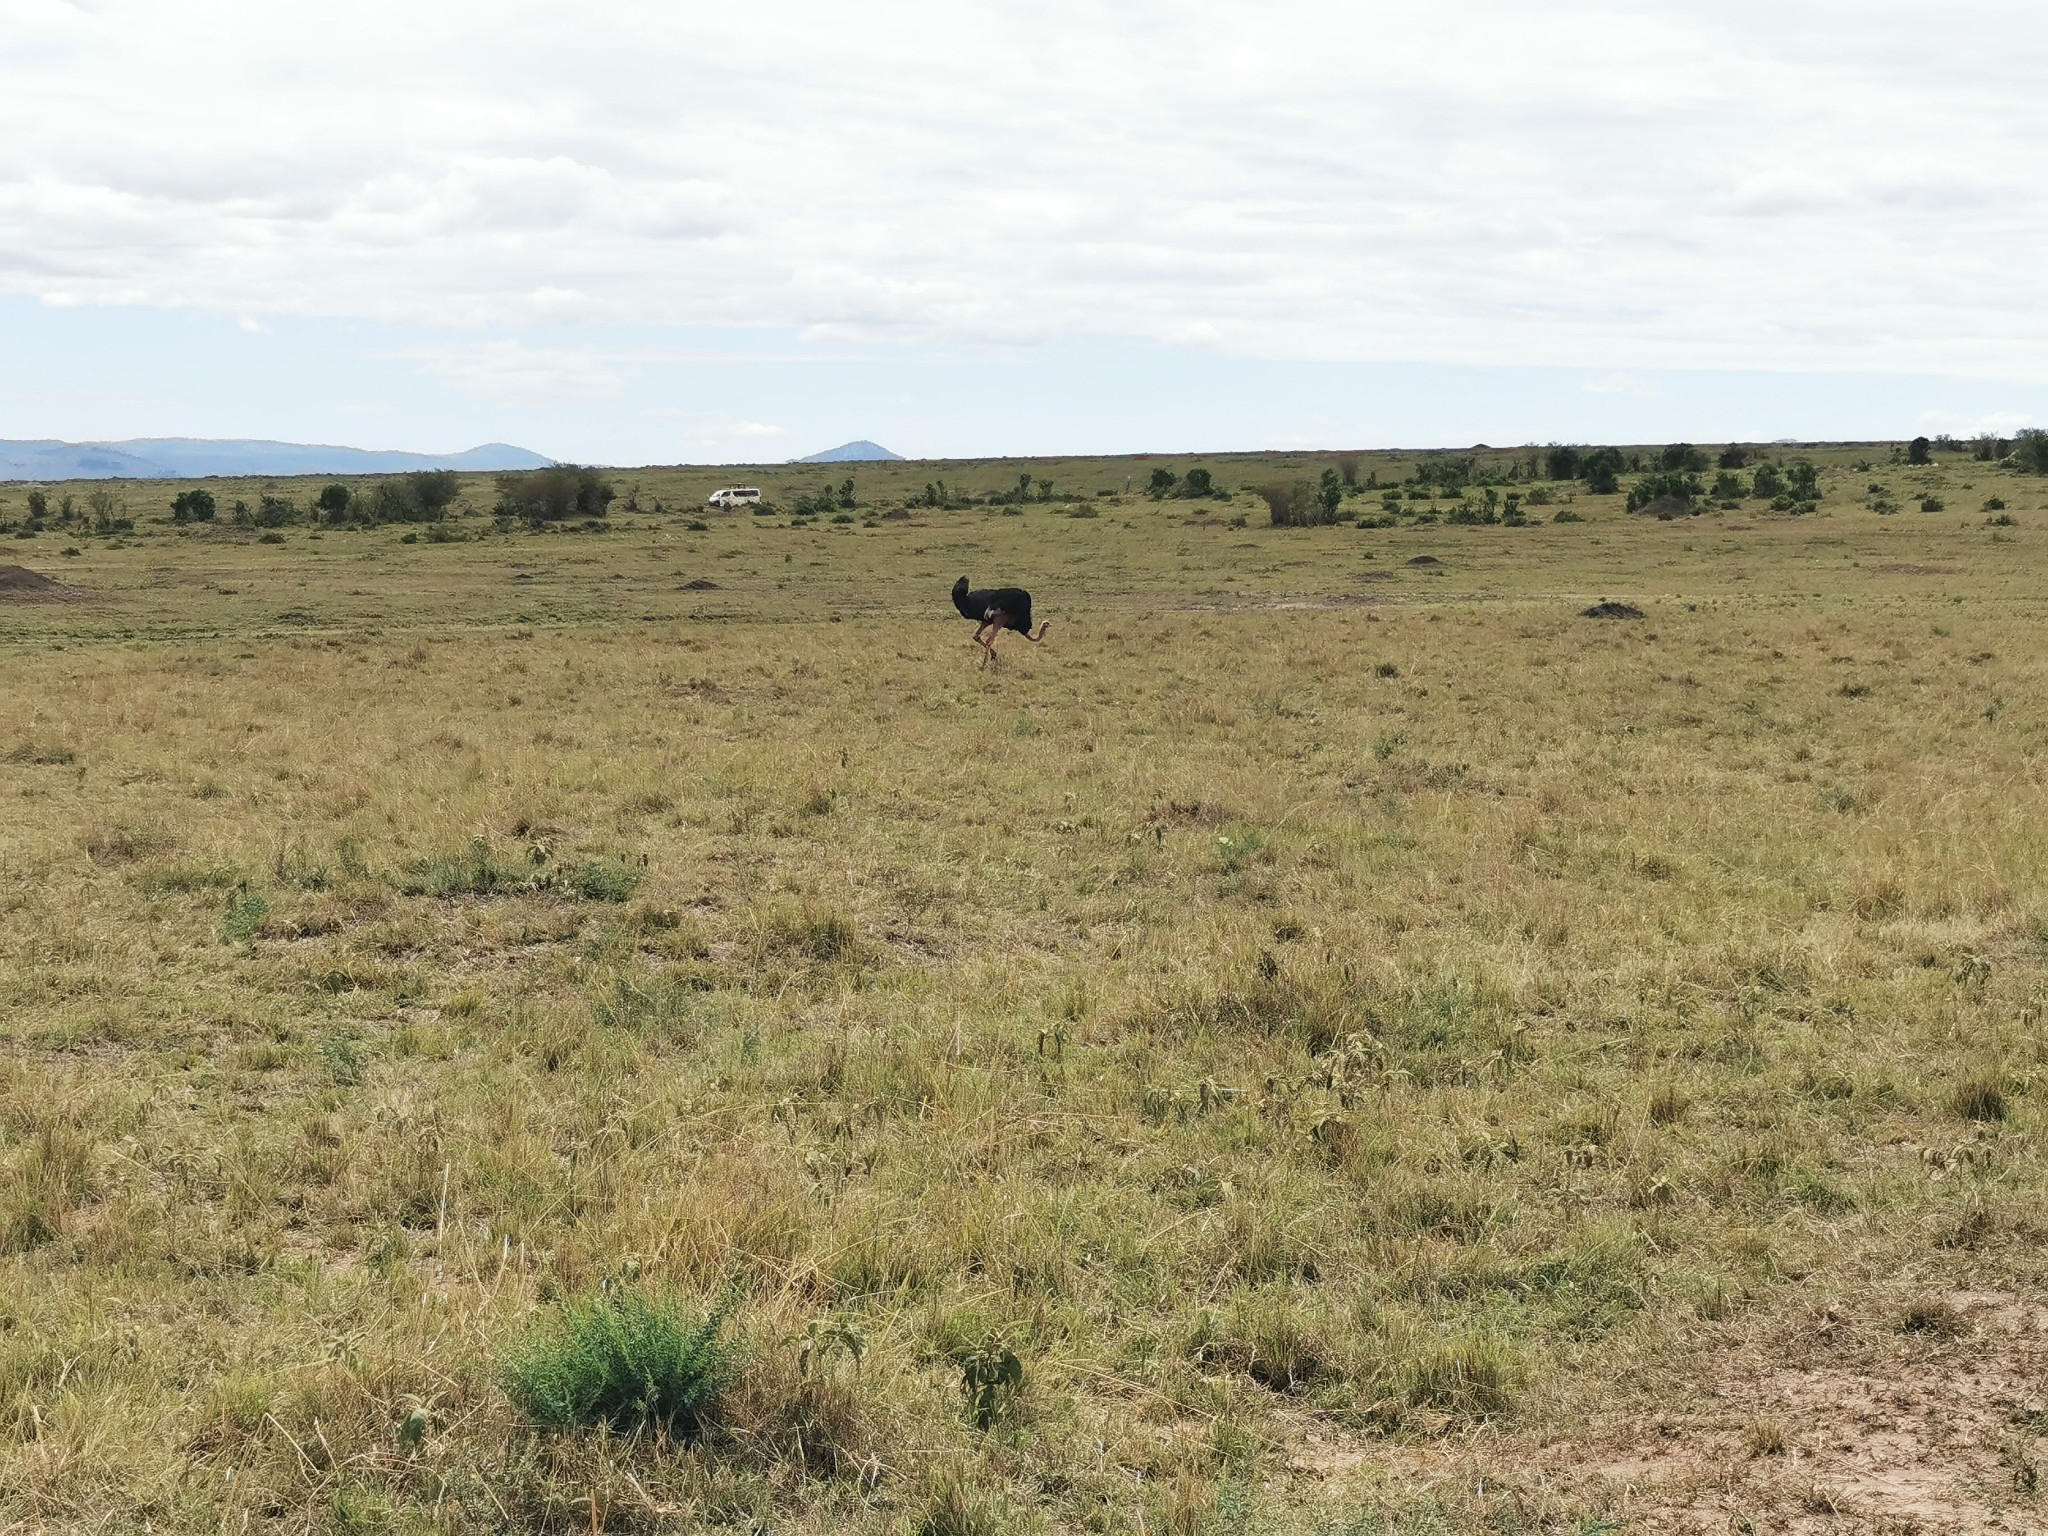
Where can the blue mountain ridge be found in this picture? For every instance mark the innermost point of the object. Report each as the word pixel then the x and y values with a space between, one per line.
pixel 157 458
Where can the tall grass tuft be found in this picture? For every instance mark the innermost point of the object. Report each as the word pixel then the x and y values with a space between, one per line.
pixel 623 1361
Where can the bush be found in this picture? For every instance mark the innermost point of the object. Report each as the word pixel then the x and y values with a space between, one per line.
pixel 1734 456
pixel 554 495
pixel 1932 504
pixel 193 506
pixel 1601 470
pixel 1767 482
pixel 1917 451
pixel 416 498
pixel 1682 458
pixel 2030 451
pixel 333 502
pixel 1671 487
pixel 1295 506
pixel 625 1362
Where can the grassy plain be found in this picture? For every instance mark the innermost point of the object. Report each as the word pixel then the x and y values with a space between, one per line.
pixel 1381 1051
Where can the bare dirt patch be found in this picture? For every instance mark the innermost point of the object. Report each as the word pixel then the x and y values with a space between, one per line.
pixel 1917 570
pixel 1887 1430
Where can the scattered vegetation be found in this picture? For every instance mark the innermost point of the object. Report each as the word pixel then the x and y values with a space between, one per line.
pixel 1336 1012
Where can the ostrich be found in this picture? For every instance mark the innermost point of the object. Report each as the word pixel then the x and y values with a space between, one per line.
pixel 996 610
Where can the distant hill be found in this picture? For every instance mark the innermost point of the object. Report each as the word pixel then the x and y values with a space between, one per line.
pixel 157 458
pixel 849 453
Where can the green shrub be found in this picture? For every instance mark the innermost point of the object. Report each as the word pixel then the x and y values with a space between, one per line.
pixel 601 880
pixel 554 495
pixel 1299 505
pixel 625 1362
pixel 193 506
pixel 247 913
pixel 471 873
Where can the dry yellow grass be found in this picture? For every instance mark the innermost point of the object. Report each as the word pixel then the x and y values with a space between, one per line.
pixel 1318 1012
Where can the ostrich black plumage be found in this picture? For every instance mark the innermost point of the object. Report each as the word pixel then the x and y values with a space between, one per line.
pixel 995 610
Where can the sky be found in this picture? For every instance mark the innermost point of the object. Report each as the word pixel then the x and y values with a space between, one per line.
pixel 660 232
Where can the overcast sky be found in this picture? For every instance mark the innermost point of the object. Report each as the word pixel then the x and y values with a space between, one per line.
pixel 650 232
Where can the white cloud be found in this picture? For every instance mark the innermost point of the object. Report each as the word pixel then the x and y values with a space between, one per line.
pixel 1802 185
pixel 513 373
pixel 1622 384
pixel 1994 423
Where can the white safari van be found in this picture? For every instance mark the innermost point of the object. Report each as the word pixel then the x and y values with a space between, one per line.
pixel 734 496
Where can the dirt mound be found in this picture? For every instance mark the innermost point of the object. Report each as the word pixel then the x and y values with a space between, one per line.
pixel 700 584
pixel 1665 508
pixel 19 584
pixel 1612 610
pixel 1425 560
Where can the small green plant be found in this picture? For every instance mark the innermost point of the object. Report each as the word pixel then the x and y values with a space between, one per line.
pixel 1238 847
pixel 343 1059
pixel 991 1377
pixel 247 912
pixel 623 1361
pixel 1931 504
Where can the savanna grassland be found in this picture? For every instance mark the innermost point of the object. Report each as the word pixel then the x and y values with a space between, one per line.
pixel 1325 1043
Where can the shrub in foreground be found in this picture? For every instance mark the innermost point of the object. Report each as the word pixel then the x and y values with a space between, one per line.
pixel 623 1361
